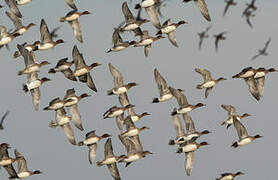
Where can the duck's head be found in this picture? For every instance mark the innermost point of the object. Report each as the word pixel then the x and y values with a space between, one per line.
pixel 271 70
pixel 221 79
pixel 246 115
pixel 5 146
pixel 145 153
pixel 145 114
pixel 258 136
pixel 30 25
pixel 239 173
pixel 37 172
pixel 59 41
pixel 200 105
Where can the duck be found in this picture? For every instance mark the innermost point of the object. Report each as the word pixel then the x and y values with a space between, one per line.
pixel 168 28
pixel 208 83
pixel 131 129
pixel 23 2
pixel 35 67
pixel 228 4
pixel 249 14
pixel 82 71
pixel 219 37
pixel 116 111
pixel 244 138
pixel 64 66
pixel 2 119
pixel 131 24
pixel 56 104
pixel 185 107
pixel 118 42
pixel 110 160
pixel 73 107
pixel 46 38
pixel 203 35
pixel 62 120
pixel 91 141
pixel 19 28
pixel 29 47
pixel 262 52
pixel 146 41
pixel 120 90
pixel 229 176
pixel 5 37
pixel 249 7
pixel 23 171
pixel 164 92
pixel 203 8
pixel 245 73
pixel 72 19
pixel 232 112
pixel 133 153
pixel 6 161
pixel 191 146
pixel 71 4
pixel 13 7
pixel 150 7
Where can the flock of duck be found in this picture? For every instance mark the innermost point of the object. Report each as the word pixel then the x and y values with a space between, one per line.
pixel 125 116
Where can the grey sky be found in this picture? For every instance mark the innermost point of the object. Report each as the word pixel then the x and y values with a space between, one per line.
pixel 48 150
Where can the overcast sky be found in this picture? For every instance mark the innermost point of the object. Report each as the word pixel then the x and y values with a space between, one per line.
pixel 48 150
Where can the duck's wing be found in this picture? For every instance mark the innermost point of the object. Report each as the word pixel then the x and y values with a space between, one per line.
pixel 137 143
pixel 172 38
pixel 68 74
pixel 15 19
pixel 189 162
pixel 205 74
pixel 123 141
pixel 76 27
pixel 108 149
pixel 11 171
pixel 12 5
pixel 76 117
pixel 147 50
pixel 92 152
pixel 208 90
pixel 90 83
pixel 230 109
pixel 21 162
pixel 45 35
pixel 189 124
pixel 3 31
pixel 36 95
pixel 120 121
pixel 226 8
pixel 71 4
pixel 181 98
pixel 252 87
pixel 161 83
pixel 127 13
pixel 166 23
pixel 216 44
pixel 153 15
pixel 116 38
pixel 241 130
pixel 3 118
pixel 53 32
pixel 91 134
pixel 267 44
pixel 260 85
pixel 69 93
pixel 28 58
pixel 117 76
pixel 178 126
pixel 78 59
pixel 69 133
pixel 203 8
pixel 113 169
pixel 123 99
pixel 129 123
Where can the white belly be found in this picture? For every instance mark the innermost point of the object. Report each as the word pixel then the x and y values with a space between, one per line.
pixel 130 27
pixel 29 48
pixel 57 106
pixel 190 136
pixel 22 2
pixel 33 84
pixel 72 17
pixel 247 74
pixel 168 29
pixel 244 141
pixel 62 68
pixel 189 148
pixel 134 118
pixel 116 113
pixel 118 48
pixel 165 97
pixel 45 46
pixel 5 40
pixel 23 175
pixel 21 31
pixel 109 160
pixel 32 68
pixel 120 90
pixel 208 84
pixel 5 162
pixel 259 74
pixel 80 72
pixel 145 42
pixel 184 110
pixel 132 158
pixel 91 140
pixel 228 177
pixel 63 120
pixel 147 3
pixel 132 132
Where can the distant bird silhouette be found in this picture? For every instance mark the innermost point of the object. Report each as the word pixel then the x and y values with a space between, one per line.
pixel 250 6
pixel 203 8
pixel 262 52
pixel 2 120
pixel 248 14
pixel 228 4
pixel 219 37
pixel 202 35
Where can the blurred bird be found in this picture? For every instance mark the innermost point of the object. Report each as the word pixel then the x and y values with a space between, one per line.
pixel 228 4
pixel 203 35
pixel 2 120
pixel 219 37
pixel 262 52
pixel 203 8
pixel 229 176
